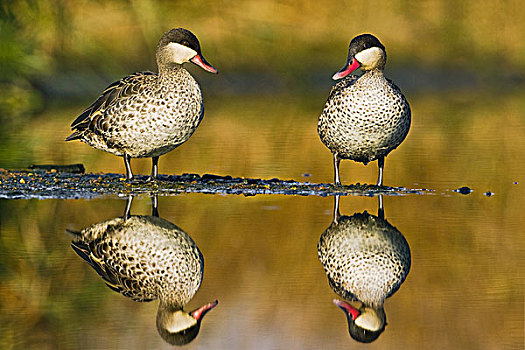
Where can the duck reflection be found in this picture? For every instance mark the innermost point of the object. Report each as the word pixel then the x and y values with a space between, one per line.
pixel 366 260
pixel 145 258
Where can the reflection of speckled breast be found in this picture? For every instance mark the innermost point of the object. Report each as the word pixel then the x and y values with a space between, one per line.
pixel 364 257
pixel 364 118
pixel 144 258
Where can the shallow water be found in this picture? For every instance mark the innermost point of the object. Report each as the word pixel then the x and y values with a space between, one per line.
pixel 464 289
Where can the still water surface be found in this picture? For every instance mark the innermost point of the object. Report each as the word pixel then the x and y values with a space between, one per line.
pixel 465 288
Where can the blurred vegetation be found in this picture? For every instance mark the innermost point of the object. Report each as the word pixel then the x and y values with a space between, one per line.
pixel 45 44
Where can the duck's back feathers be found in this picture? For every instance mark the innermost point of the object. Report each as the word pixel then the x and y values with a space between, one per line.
pixel 93 117
pixel 116 281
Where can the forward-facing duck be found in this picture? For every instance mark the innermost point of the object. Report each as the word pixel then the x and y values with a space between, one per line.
pixel 366 260
pixel 148 114
pixel 367 116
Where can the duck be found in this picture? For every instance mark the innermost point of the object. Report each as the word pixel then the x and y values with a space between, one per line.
pixel 366 116
pixel 366 260
pixel 146 258
pixel 148 114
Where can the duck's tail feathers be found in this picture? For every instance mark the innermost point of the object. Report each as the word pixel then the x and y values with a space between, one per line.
pixel 74 136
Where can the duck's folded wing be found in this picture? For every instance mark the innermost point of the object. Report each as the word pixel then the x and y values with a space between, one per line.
pixel 130 287
pixel 93 117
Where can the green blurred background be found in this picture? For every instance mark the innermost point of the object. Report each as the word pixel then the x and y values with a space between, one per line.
pixel 67 49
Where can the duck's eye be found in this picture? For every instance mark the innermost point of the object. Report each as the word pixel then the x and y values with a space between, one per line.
pixel 185 43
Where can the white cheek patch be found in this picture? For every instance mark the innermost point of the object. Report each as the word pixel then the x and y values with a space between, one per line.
pixel 180 53
pixel 179 321
pixel 369 57
pixel 368 320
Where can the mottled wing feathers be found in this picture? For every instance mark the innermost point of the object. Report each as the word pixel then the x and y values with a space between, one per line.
pixel 92 118
pixel 114 280
pixel 81 249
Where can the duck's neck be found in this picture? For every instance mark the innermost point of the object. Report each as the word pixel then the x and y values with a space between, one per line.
pixel 169 72
pixel 174 298
pixel 374 72
pixel 171 304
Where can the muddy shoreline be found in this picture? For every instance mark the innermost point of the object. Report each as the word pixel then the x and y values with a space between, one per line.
pixel 41 184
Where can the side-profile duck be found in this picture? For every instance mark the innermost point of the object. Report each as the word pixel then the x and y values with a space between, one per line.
pixel 366 260
pixel 367 116
pixel 148 114
pixel 146 258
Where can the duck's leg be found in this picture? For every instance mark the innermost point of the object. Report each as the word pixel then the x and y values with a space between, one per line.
pixel 155 205
pixel 337 214
pixel 129 172
pixel 380 209
pixel 127 210
pixel 154 168
pixel 337 161
pixel 381 165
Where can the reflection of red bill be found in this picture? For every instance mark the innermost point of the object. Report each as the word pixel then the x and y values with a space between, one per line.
pixel 349 68
pixel 203 310
pixel 347 308
pixel 201 62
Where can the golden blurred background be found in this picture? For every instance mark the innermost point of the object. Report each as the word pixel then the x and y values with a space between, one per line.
pixel 461 65
pixel 53 48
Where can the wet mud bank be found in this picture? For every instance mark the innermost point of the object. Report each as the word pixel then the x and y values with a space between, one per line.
pixel 42 184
